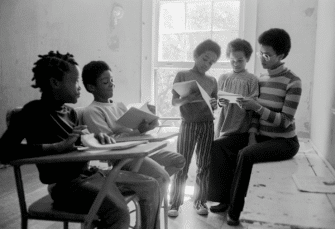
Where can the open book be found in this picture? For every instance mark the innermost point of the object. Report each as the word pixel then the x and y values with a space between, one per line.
pixel 90 142
pixel 134 116
pixel 230 96
pixel 187 87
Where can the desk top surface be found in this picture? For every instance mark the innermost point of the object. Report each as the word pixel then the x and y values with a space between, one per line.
pixel 134 152
pixel 151 137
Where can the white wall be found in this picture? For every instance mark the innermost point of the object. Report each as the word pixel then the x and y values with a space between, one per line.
pixel 299 19
pixel 84 28
pixel 323 101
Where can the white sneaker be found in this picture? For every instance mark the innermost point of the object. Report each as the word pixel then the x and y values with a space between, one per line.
pixel 173 212
pixel 201 208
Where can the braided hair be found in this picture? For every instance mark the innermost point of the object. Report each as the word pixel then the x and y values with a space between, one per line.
pixel 52 65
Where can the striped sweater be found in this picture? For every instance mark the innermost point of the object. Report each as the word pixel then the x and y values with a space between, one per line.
pixel 280 93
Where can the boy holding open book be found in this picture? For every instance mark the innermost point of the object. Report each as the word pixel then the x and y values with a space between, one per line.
pixel 102 115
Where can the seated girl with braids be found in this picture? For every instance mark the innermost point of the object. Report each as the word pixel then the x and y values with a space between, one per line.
pixel 51 127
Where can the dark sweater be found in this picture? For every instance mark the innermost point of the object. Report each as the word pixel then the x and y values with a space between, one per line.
pixel 40 122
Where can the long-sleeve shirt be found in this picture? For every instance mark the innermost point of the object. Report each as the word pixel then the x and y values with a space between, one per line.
pixel 280 92
pixel 233 119
pixel 41 122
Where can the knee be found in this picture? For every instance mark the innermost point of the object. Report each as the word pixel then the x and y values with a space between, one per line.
pixel 165 179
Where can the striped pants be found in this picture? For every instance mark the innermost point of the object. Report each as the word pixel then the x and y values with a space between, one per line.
pixel 198 136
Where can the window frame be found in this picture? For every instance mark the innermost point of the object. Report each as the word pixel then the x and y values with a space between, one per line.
pixel 150 37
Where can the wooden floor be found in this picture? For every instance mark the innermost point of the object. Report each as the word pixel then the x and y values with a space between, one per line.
pixel 273 200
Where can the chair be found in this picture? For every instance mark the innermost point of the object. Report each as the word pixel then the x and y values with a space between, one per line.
pixel 42 209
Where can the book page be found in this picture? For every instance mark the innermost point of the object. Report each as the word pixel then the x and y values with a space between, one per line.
pixel 229 96
pixel 185 88
pixel 134 116
pixel 205 96
pixel 145 107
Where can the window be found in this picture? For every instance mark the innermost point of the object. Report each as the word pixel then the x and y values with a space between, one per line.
pixel 177 27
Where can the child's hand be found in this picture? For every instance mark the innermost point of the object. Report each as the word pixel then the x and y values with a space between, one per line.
pixel 223 102
pixel 67 144
pixel 214 103
pixel 146 126
pixel 104 139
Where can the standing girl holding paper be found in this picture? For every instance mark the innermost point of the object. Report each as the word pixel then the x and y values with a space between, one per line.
pixel 197 127
pixel 232 130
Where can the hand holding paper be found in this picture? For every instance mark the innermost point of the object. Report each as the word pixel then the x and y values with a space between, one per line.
pixel 134 117
pixel 189 87
pixel 229 96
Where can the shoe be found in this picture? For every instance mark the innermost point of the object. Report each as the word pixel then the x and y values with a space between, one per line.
pixel 173 212
pixel 231 221
pixel 221 207
pixel 201 208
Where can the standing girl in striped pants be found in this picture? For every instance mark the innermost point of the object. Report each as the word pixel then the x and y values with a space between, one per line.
pixel 197 127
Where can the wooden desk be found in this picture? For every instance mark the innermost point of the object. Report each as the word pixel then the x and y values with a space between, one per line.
pixel 125 156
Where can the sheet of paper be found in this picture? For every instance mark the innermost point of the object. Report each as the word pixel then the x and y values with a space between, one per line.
pixel 185 88
pixel 205 96
pixel 314 184
pixel 230 96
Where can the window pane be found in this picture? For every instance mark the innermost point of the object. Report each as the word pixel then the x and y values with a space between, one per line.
pixel 172 47
pixel 198 16
pixel 226 15
pixel 164 79
pixel 171 17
